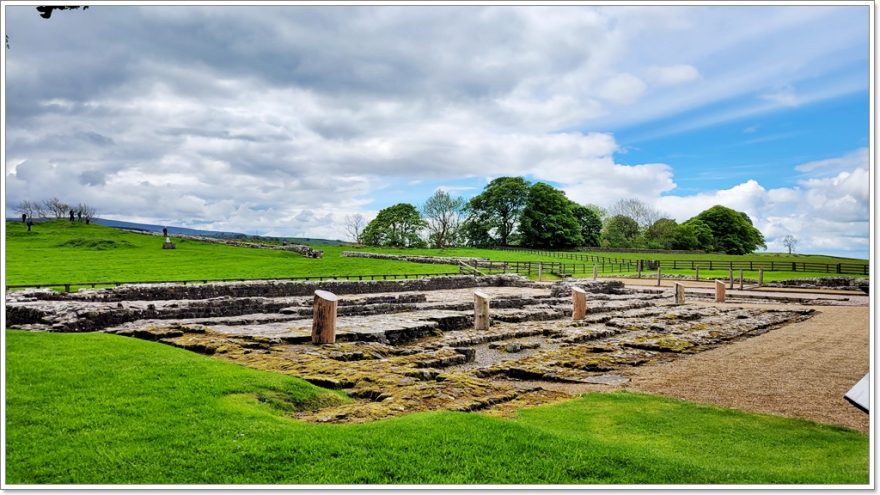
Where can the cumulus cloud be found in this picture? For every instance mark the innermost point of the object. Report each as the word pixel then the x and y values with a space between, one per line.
pixel 284 120
pixel 826 214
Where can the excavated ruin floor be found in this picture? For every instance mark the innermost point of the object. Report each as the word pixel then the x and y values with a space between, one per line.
pixel 407 351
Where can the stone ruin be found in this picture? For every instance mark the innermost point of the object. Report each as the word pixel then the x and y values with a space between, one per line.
pixel 405 346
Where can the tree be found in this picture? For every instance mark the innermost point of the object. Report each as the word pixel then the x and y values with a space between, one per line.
pixel 85 212
pixel 637 210
pixel 661 234
pixel 620 231
pixel 590 224
pixel 693 235
pixel 547 219
pixel 732 231
pixel 56 207
pixel 790 242
pixel 25 207
pixel 443 214
pixel 396 226
pixel 354 226
pixel 499 207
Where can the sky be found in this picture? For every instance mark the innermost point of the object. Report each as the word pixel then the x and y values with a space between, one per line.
pixel 282 120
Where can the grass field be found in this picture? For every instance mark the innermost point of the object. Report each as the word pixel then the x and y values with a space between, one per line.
pixel 61 252
pixel 104 409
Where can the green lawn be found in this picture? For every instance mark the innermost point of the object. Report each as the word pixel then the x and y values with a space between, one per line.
pixel 105 409
pixel 61 252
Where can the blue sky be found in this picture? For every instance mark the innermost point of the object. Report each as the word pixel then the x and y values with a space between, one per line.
pixel 284 120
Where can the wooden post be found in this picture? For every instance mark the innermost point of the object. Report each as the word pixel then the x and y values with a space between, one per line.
pixel 658 275
pixel 540 270
pixel 720 292
pixel 730 274
pixel 324 317
pixel 697 276
pixel 679 293
pixel 481 311
pixel 740 279
pixel 578 303
pixel 760 277
pixel 595 272
pixel 639 268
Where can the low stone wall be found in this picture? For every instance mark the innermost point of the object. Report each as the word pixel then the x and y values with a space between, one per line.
pixel 439 260
pixel 824 283
pixel 302 249
pixel 163 292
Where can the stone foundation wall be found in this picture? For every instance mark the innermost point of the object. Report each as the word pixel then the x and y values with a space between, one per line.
pixel 439 260
pixel 164 292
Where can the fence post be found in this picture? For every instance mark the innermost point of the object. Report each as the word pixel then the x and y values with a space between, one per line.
pixel 760 277
pixel 324 317
pixel 679 293
pixel 730 274
pixel 595 272
pixel 658 275
pixel 481 311
pixel 720 292
pixel 579 303
pixel 740 279
pixel 540 270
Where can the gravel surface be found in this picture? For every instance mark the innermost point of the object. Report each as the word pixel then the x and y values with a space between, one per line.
pixel 800 370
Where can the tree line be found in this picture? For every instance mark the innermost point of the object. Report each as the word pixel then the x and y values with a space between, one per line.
pixel 511 211
pixel 56 208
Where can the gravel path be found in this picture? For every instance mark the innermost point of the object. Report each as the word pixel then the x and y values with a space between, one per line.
pixel 801 370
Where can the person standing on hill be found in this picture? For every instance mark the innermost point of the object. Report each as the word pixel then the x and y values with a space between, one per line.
pixel 30 223
pixel 71 215
pixel 164 231
pixel 24 218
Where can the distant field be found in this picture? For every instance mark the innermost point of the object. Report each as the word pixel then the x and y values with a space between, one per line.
pixel 58 252
pixel 61 252
pixel 104 409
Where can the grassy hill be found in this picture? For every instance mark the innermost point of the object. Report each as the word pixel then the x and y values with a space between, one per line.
pixel 58 252
pixel 104 409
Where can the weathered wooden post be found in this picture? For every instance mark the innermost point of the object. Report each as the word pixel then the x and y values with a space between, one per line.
pixel 730 275
pixel 639 268
pixel 679 293
pixel 720 291
pixel 578 303
pixel 760 277
pixel 697 276
pixel 540 270
pixel 324 317
pixel 595 272
pixel 481 311
pixel 658 275
pixel 740 279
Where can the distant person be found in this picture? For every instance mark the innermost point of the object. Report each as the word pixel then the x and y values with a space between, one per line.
pixel 164 231
pixel 79 215
pixel 71 215
pixel 30 223
pixel 24 218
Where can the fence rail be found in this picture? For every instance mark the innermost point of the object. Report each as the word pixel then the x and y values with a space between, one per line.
pixel 773 266
pixel 388 276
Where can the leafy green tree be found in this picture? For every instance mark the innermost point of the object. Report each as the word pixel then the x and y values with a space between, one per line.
pixel 590 224
pixel 620 231
pixel 396 226
pixel 732 231
pixel 497 209
pixel 443 214
pixel 694 234
pixel 548 220
pixel 661 234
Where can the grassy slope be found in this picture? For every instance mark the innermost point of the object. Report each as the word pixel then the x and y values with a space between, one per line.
pixel 58 252
pixel 104 409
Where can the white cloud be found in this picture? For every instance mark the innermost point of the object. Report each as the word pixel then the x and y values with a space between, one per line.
pixel 672 75
pixel 784 96
pixel 622 89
